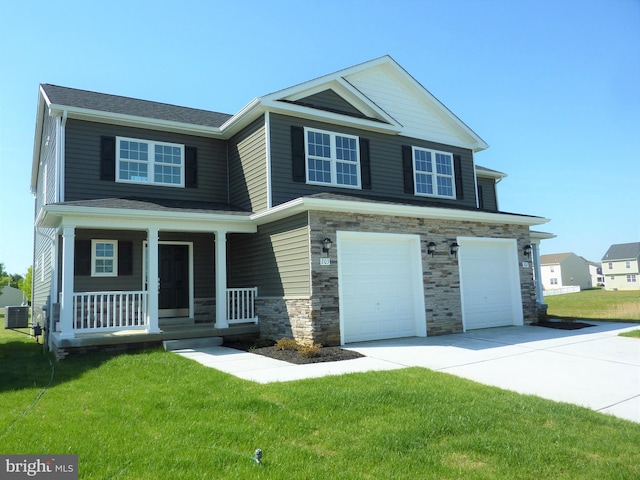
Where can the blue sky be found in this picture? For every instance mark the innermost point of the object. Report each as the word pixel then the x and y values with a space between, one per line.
pixel 552 85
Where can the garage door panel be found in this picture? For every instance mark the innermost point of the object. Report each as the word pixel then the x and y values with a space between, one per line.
pixel 377 275
pixel 490 285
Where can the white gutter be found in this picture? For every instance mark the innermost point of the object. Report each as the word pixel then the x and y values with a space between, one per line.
pixel 375 208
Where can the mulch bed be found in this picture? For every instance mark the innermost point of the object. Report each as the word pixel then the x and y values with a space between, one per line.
pixel 326 354
pixel 563 325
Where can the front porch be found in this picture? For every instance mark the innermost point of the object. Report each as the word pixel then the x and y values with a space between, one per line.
pixel 102 319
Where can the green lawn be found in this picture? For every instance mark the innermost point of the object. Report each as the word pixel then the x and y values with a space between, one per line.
pixel 596 305
pixel 155 415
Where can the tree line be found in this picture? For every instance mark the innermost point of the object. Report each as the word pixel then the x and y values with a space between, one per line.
pixel 16 281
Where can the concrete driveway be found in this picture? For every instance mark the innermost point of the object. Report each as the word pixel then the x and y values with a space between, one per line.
pixel 592 367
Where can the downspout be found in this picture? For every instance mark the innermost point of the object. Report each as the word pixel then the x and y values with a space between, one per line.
pixel 267 128
pixel 60 160
pixel 475 179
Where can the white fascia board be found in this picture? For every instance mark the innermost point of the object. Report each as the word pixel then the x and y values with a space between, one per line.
pixel 52 216
pixel 374 208
pixel 134 121
pixel 37 140
pixel 536 237
pixel 310 113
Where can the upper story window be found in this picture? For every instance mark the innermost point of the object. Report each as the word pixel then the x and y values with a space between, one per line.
pixel 145 161
pixel 433 173
pixel 332 158
pixel 610 265
pixel 628 264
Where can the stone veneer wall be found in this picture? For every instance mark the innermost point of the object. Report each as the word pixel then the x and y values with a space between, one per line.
pixel 443 307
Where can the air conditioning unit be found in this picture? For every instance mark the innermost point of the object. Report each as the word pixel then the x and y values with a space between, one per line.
pixel 16 317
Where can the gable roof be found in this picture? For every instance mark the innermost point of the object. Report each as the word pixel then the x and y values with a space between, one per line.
pixel 385 93
pixel 622 251
pixel 554 258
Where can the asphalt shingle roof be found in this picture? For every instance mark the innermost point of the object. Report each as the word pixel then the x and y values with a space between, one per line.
pixel 622 251
pixel 103 102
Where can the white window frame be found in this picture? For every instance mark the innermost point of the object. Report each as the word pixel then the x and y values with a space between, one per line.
pixel 631 278
pixel 627 264
pixel 333 158
pixel 433 174
pixel 150 162
pixel 610 266
pixel 554 281
pixel 114 258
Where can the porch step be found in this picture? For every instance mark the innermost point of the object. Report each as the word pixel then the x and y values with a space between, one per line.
pixel 192 343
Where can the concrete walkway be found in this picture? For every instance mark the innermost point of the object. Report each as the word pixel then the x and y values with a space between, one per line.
pixel 592 367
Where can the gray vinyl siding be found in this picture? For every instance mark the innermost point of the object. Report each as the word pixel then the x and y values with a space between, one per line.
pixel 82 171
pixel 488 193
pixel 385 152
pixel 276 259
pixel 44 238
pixel 203 261
pixel 248 168
pixel 330 100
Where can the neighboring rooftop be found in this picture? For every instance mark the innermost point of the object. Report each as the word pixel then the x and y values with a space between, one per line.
pixel 554 258
pixel 622 251
pixel 71 97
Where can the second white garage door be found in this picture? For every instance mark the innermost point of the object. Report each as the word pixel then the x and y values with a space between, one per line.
pixel 380 286
pixel 489 282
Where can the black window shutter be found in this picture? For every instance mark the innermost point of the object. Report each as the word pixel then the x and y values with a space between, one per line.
pixel 407 168
pixel 82 260
pixel 297 154
pixel 190 167
pixel 457 169
pixel 480 198
pixel 108 158
pixel 125 258
pixel 365 164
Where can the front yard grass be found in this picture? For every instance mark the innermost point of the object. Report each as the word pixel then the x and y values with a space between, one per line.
pixel 155 415
pixel 596 304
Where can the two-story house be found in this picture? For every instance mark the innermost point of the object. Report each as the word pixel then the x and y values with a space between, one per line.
pixel 621 266
pixel 343 209
pixel 565 270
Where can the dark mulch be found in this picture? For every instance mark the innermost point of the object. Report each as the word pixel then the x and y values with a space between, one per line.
pixel 260 347
pixel 562 325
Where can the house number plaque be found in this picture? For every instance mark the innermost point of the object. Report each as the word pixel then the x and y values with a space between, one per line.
pixel 325 261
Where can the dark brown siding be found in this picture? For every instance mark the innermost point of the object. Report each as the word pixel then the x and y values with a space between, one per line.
pixel 489 201
pixel 82 169
pixel 276 259
pixel 385 152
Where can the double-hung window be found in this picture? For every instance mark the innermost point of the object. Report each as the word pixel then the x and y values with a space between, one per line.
pixel 149 162
pixel 433 173
pixel 104 258
pixel 332 158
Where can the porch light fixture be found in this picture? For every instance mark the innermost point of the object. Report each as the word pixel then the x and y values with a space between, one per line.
pixel 326 245
pixel 431 248
pixel 453 249
pixel 527 250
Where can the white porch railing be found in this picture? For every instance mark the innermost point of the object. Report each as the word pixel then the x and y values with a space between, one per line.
pixel 109 311
pixel 241 305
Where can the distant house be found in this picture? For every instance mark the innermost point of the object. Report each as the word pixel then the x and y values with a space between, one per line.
pixel 560 270
pixel 620 266
pixel 597 278
pixel 11 297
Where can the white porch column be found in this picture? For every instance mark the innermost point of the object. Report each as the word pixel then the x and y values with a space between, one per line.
pixel 221 280
pixel 535 256
pixel 66 307
pixel 152 281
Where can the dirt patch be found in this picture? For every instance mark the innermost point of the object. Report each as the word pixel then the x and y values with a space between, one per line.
pixel 267 349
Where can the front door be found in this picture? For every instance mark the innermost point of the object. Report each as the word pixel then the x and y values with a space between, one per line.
pixel 173 299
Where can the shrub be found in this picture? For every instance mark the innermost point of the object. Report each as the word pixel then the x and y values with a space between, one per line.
pixel 309 350
pixel 286 344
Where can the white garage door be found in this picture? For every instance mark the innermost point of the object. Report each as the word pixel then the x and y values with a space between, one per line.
pixel 489 283
pixel 380 286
